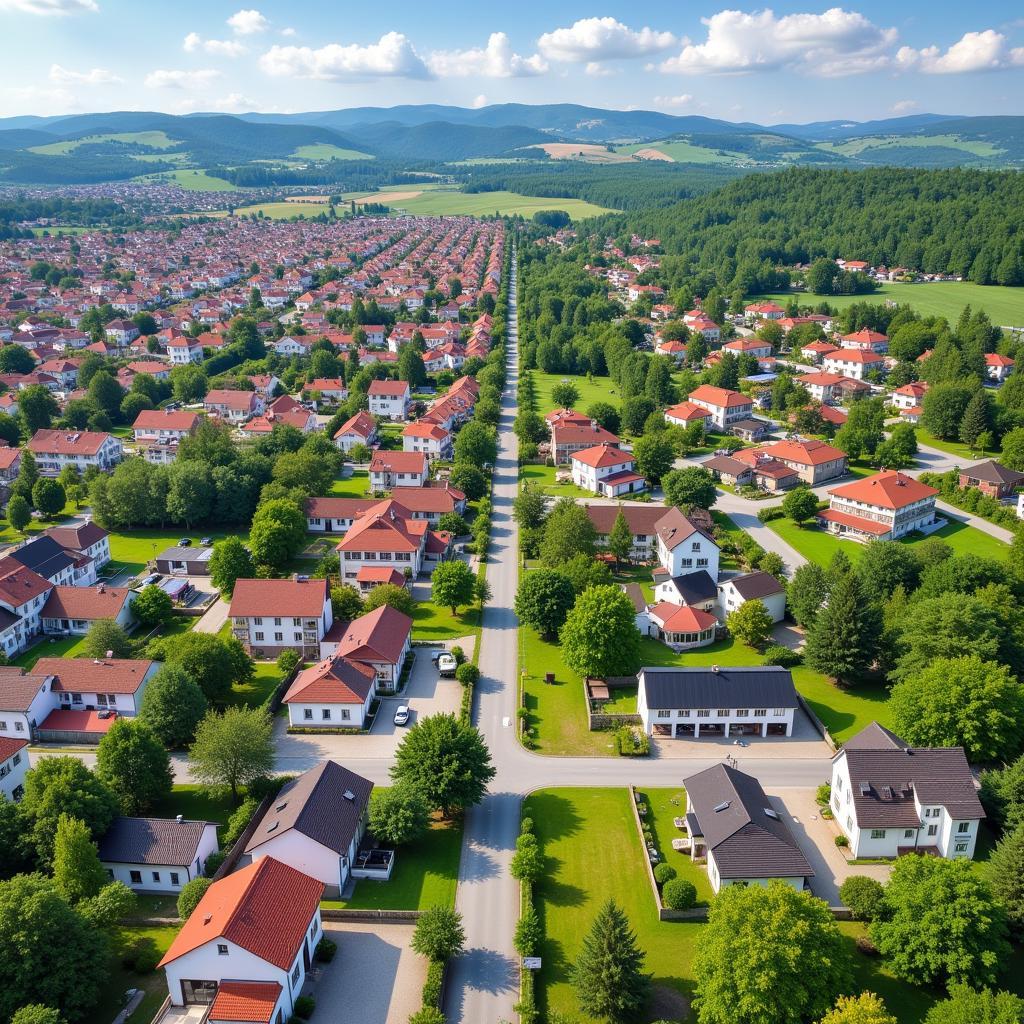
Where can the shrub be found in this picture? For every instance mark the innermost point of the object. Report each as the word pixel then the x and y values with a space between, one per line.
pixel 664 873
pixel 267 785
pixel 766 515
pixel 458 654
pixel 304 1007
pixel 239 819
pixel 863 896
pixel 427 1015
pixel 823 794
pixel 679 894
pixel 191 893
pixel 776 654
pixel 865 946
pixel 288 661
pixel 632 742
pixel 213 862
pixel 467 673
pixel 528 933
pixel 141 956
pixel 432 986
pixel 842 841
pixel 526 825
pixel 325 950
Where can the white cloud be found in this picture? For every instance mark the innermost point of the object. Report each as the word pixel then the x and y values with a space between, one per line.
pixel 833 43
pixel 974 51
pixel 49 7
pixel 175 79
pixel 904 106
pixel 288 32
pixel 591 39
pixel 479 101
pixel 673 101
pixel 233 103
pixel 248 22
pixel 392 56
pixel 95 76
pixel 597 70
pixel 496 60
pixel 194 43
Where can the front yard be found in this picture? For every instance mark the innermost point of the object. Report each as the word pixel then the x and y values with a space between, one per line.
pixel 592 852
pixel 429 622
pixel 259 688
pixel 544 478
pixel 356 485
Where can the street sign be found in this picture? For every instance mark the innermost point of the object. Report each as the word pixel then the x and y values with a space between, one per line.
pixel 531 963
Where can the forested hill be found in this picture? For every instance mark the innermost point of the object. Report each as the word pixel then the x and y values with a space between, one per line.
pixel 963 222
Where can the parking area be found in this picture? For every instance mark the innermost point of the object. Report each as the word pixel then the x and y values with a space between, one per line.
pixel 425 694
pixel 805 742
pixel 816 838
pixel 374 978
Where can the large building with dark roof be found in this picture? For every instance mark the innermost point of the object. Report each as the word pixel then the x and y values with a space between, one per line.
pixel 731 822
pixel 717 701
pixel 890 798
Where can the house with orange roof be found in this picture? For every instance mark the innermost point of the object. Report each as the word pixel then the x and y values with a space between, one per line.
pixel 749 347
pixel 398 469
pixel 248 943
pixel 13 767
pixel 672 347
pixel 389 399
pixel 380 640
pixel 164 426
pixel 764 311
pixel 815 351
pixel 681 627
pixel 726 407
pixel 853 362
pixel 866 340
pixel 271 616
pixel 909 395
pixel 685 413
pixel 387 534
pixel 358 429
pixel 998 367
pixel 429 438
pixel 606 470
pixel 335 693
pixel 886 506
pixel 814 462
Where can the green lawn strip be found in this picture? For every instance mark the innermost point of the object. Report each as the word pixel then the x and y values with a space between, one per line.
pixel 544 477
pixel 591 389
pixel 134 548
pixel 150 905
pixel 592 852
pixel 50 647
pixel 727 529
pixel 154 985
pixel 665 805
pixel 196 804
pixel 259 689
pixel 640 574
pixel 355 486
pixel 425 875
pixel 817 545
pixel 429 622
pixel 961 451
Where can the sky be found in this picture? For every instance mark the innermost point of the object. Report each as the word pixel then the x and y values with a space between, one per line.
pixel 791 62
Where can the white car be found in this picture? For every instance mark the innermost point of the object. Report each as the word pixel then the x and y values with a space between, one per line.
pixel 402 715
pixel 446 664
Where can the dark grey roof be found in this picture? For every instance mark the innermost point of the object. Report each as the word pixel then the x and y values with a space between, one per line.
pixel 765 686
pixel 993 472
pixel 755 585
pixel 728 466
pixel 189 554
pixel 152 841
pixel 695 587
pixel 43 556
pixel 730 807
pixel 751 424
pixel 636 595
pixel 874 737
pixel 315 804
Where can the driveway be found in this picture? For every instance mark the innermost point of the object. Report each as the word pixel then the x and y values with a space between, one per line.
pixel 804 743
pixel 374 978
pixel 425 694
pixel 816 838
pixel 215 617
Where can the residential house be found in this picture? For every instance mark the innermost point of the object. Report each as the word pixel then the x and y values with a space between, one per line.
pixel 732 823
pixel 43 555
pixel 866 340
pixel 607 471
pixel 55 449
pixel 886 506
pixel 271 616
pixel 164 426
pixel 97 684
pixel 13 766
pixel 572 434
pixel 335 515
pixel 853 362
pixel 387 534
pixel 998 367
pixel 429 438
pixel 184 350
pixel 755 347
pixel 329 390
pixel 729 470
pixel 683 547
pixel 764 311
pixel 316 824
pixel 157 855
pixel 814 462
pixel 389 399
pixel 75 609
pixel 10 462
pixel 398 469
pixel 992 478
pixel 645 523
pixel 717 701
pixel 685 413
pixel 680 626
pixel 380 640
pixel 909 396
pixel 431 501
pixel 25 700
pixel 736 591
pixel 235 407
pixel 889 798
pixel 84 538
pixel 335 693
pixel 823 387
pixel 359 429
pixel 726 407
pixel 257 926
pixel 815 351
pixel 672 347
pixel 22 596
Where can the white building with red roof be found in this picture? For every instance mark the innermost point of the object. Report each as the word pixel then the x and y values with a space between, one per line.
pixel 249 941
pixel 749 347
pixel 429 438
pixel 271 616
pixel 389 399
pixel 164 426
pixel 75 609
pixel 886 506
pixel 398 469
pixel 909 396
pixel 998 367
pixel 358 429
pixel 680 626
pixel 673 347
pixel 573 433
pixel 235 407
pixel 764 311
pixel 853 362
pixel 184 350
pixel 866 340
pixel 387 534
pixel 13 766
pixel 335 693
pixel 685 413
pixel 55 449
pixel 607 471
pixel 725 406
pixel 380 640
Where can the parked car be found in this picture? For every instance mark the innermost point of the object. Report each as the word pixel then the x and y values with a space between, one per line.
pixel 153 577
pixel 206 541
pixel 185 542
pixel 446 664
pixel 402 715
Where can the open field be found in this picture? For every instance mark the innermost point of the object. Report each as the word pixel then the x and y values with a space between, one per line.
pixel 544 477
pixel 155 140
pixel 819 546
pixel 327 151
pixel 854 147
pixel 591 389
pixel 591 153
pixel 137 547
pixel 592 853
pixel 195 181
pixel 1005 306
pixel 681 151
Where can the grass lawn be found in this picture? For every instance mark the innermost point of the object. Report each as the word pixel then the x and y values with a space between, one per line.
pixel 354 486
pixel 593 852
pixel 429 622
pixel 544 477
pixel 262 685
pixel 121 979
pixel 726 529
pixel 194 181
pixel 592 389
pixel 817 545
pixel 666 804
pixel 636 574
pixel 63 647
pixel 424 876
pixel 962 451
pixel 134 548
pixel 193 801
pixel 1005 306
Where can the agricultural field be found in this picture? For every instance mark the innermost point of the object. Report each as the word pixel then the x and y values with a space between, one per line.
pixel 326 151
pixel 154 139
pixel 872 144
pixel 193 180
pixel 681 151
pixel 590 153
pixel 1005 306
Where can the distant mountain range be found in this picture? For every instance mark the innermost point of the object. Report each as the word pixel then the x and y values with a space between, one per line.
pixel 125 144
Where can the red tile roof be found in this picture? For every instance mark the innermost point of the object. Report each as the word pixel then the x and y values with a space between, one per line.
pixel 245 1001
pixel 388 388
pixel 85 675
pixel 719 397
pixel 678 618
pixel 89 603
pixel 265 908
pixel 9 746
pixel 68 442
pixel 687 411
pixel 398 462
pixel 298 598
pixel 165 419
pixel 73 720
pixel 603 455
pixel 888 489
pixel 378 636
pixel 335 680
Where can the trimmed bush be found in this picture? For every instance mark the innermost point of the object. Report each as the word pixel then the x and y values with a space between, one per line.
pixel 679 894
pixel 304 1007
pixel 467 673
pixel 458 654
pixel 191 893
pixel 823 794
pixel 325 950
pixel 766 515
pixel 664 873
pixel 239 820
pixel 842 841
pixel 213 862
pixel 432 986
pixel 863 895
pixel 776 654
pixel 427 1015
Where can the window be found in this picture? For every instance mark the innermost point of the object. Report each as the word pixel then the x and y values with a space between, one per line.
pixel 136 877
pixel 960 848
pixel 839 783
pixel 222 949
pixel 259 635
pixel 703 713
pixel 962 827
pixel 908 833
pixel 19 726
pixel 325 714
pixel 849 823
pixel 297 637
pixel 933 830
pixel 295 975
pixel 931 812
pixel 279 637
pixel 743 712
pixel 722 712
pixel 174 878
pixel 684 713
pixel 307 714
pixel 760 712
pixel 296 621
pixel 695 546
pixel 258 620
pixel 277 620
pixel 702 563
pixel 878 833
pixel 778 712
pixel 664 714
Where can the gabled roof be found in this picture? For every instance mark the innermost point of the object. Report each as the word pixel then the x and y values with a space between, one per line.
pixel 719 397
pixel 9 746
pixel 326 804
pixel 755 585
pixel 335 680
pixel 398 462
pixel 85 675
pixel 265 908
pixel 743 832
pixel 989 471
pixel 673 528
pixel 602 455
pixel 755 686
pixel 362 424
pixel 695 587
pixel 152 841
pixel 248 1002
pixel 88 603
pixel 378 636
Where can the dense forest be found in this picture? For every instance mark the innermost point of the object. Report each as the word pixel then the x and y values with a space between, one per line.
pixel 964 222
pixel 80 212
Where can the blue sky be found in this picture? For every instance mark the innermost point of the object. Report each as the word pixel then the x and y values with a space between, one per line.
pixel 789 62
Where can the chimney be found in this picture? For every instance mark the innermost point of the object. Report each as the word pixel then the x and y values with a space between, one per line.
pixel 179 818
pixel 110 654
pixel 593 425
pixel 714 668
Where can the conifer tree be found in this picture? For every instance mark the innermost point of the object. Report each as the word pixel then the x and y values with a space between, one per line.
pixel 842 642
pixel 609 978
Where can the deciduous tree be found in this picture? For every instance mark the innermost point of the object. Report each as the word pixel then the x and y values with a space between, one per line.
pixel 691 487
pixel 172 706
pixel 800 504
pixel 451 585
pixel 967 1005
pixel 77 871
pixel 544 599
pixel 134 764
pixel 233 749
pixel 867 1008
pixel 399 814
pixel 751 623
pixel 807 593
pixel 599 637
pixel 439 934
pixel 229 563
